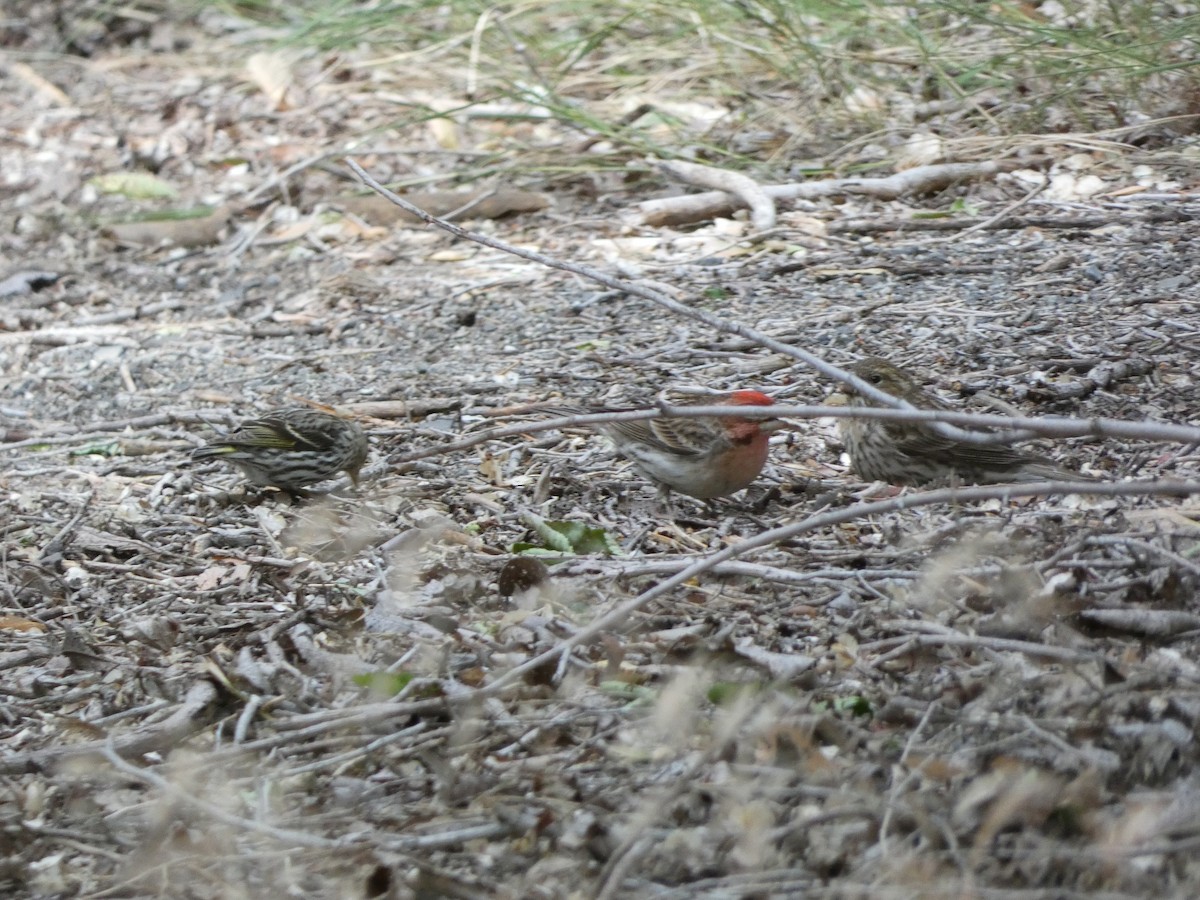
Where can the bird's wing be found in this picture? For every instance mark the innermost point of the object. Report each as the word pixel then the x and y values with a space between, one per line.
pixel 679 437
pixel 281 434
pixel 684 436
pixel 923 441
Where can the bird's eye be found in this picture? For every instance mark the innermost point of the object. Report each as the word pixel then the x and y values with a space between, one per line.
pixel 875 378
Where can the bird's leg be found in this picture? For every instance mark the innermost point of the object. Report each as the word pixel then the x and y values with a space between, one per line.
pixel 877 489
pixel 666 503
pixel 769 496
pixel 662 502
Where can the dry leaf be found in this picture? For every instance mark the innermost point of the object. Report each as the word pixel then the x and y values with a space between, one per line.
pixel 135 185
pixel 491 469
pixel 294 231
pixel 272 73
pixel 475 205
pixel 784 666
pixel 446 133
pixel 16 623
pixel 210 578
pixel 195 232
pixel 452 255
pixel 921 149
pixel 49 91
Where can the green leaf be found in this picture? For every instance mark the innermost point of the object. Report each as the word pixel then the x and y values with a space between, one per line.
pixel 855 705
pixel 174 215
pixel 566 538
pixel 384 684
pixel 101 448
pixel 135 185
pixel 552 538
pixel 722 693
pixel 524 548
pixel 594 344
pixel 635 694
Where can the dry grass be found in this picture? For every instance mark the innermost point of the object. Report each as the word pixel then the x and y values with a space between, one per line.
pixel 780 82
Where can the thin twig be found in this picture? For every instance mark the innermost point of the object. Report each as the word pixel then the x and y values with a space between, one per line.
pixel 991 221
pixel 1116 540
pixel 901 783
pixel 1007 645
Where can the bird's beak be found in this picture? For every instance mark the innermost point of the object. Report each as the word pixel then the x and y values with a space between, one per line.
pixel 838 398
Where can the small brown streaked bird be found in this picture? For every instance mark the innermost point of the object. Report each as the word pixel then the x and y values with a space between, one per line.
pixel 291 449
pixel 703 457
pixel 913 453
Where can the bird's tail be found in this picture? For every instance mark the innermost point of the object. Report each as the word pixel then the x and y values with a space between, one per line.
pixel 1048 471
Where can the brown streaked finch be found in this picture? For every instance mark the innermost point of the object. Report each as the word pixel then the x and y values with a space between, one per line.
pixel 292 448
pixel 703 456
pixel 914 453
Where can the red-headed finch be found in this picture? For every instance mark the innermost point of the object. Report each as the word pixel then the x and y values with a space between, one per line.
pixel 703 456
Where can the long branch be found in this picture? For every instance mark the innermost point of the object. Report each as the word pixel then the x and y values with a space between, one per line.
pixel 1058 427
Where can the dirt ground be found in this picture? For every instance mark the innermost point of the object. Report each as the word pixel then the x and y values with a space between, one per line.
pixel 200 682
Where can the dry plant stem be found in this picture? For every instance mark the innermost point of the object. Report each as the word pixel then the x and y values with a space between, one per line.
pixel 68 335
pixel 937 419
pixel 618 614
pixel 1008 645
pixel 246 717
pixel 16 660
pixel 1117 540
pixel 1008 223
pixel 283 835
pixel 281 178
pixel 745 188
pixel 624 858
pixel 620 568
pixel 126 315
pixel 1051 426
pixel 1150 623
pixel 159 738
pixel 67 433
pixel 901 783
pixel 1066 752
pixel 775 883
pixel 361 751
pixel 919 180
